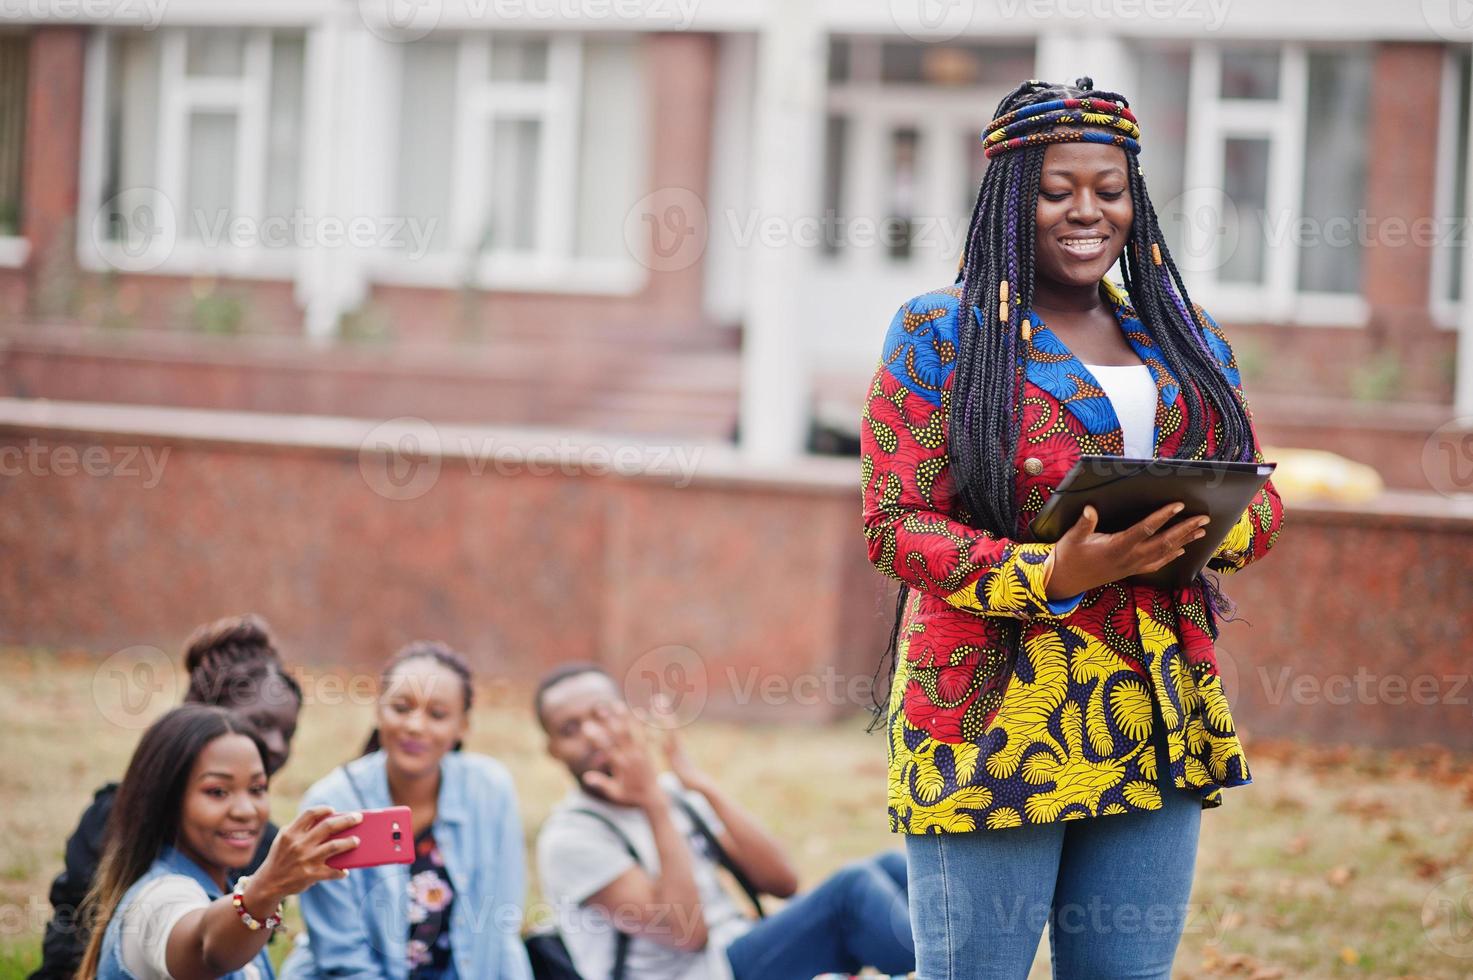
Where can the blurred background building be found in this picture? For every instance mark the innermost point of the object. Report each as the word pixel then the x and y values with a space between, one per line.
pixel 691 221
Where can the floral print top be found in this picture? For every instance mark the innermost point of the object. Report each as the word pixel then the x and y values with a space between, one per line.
pixel 430 898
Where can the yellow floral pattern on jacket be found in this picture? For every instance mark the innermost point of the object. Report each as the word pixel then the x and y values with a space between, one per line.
pixel 1063 733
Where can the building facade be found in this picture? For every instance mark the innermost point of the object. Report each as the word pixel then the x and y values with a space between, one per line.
pixel 699 216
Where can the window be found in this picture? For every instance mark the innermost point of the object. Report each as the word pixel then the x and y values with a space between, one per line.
pixel 902 153
pixel 14 49
pixel 199 150
pixel 1264 209
pixel 524 153
pixel 1448 286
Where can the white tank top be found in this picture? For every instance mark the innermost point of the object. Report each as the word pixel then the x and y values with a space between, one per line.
pixel 1132 393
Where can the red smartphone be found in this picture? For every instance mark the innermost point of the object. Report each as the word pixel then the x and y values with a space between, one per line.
pixel 384 837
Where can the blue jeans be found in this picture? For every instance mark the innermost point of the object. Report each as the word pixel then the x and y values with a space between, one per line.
pixel 858 917
pixel 1112 889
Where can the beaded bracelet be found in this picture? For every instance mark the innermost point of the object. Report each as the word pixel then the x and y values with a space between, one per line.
pixel 237 898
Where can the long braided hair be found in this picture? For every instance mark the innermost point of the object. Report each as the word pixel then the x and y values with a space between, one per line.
pixel 985 411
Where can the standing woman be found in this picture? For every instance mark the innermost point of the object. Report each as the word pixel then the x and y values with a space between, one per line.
pixel 189 812
pixel 1055 730
pixel 457 910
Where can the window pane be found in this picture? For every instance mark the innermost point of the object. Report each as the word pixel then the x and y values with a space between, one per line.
pixel 209 183
pixel 900 230
pixel 13 51
pixel 954 64
pixel 284 126
pixel 518 59
pixel 612 159
pixel 836 138
pixel 426 129
pixel 1335 171
pixel 214 51
pixel 1245 181
pixel 132 123
pixel 515 148
pixel 1458 242
pixel 1161 106
pixel 838 59
pixel 1250 73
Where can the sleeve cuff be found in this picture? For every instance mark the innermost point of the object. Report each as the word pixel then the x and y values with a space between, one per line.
pixel 1056 607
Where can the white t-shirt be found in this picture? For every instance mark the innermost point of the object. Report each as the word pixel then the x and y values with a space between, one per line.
pixel 1132 392
pixel 151 916
pixel 577 856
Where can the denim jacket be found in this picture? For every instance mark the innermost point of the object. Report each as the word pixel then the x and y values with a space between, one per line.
pixel 169 862
pixel 359 926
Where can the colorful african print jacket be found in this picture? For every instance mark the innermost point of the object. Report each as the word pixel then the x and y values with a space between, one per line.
pixel 1063 733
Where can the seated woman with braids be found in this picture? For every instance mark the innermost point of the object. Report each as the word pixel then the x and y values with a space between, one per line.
pixel 232 663
pixel 1056 728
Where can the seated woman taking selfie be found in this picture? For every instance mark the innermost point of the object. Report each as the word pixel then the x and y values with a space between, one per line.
pixel 232 663
pixel 190 809
pixel 456 911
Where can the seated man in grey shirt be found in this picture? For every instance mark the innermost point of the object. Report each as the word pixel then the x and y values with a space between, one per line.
pixel 681 923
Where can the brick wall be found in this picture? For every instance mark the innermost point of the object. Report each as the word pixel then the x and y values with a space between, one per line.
pixel 758 582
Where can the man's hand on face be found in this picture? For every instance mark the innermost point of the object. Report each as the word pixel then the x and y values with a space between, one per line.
pixel 632 779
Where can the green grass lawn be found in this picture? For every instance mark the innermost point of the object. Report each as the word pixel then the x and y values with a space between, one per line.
pixel 1334 863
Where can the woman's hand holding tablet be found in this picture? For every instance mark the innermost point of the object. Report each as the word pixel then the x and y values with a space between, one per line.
pixel 1085 558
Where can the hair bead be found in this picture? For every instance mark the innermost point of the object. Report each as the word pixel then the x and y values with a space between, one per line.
pixel 1156 253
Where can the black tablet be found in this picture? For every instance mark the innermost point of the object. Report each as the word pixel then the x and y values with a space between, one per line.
pixel 1123 490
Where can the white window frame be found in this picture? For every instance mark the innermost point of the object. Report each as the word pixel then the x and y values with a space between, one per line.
pixel 1445 312
pixel 1282 122
pixel 179 95
pixel 872 108
pixel 551 266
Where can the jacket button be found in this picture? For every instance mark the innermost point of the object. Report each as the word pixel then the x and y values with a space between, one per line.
pixel 1033 466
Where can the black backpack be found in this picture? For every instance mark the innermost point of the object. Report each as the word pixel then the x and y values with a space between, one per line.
pixel 549 954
